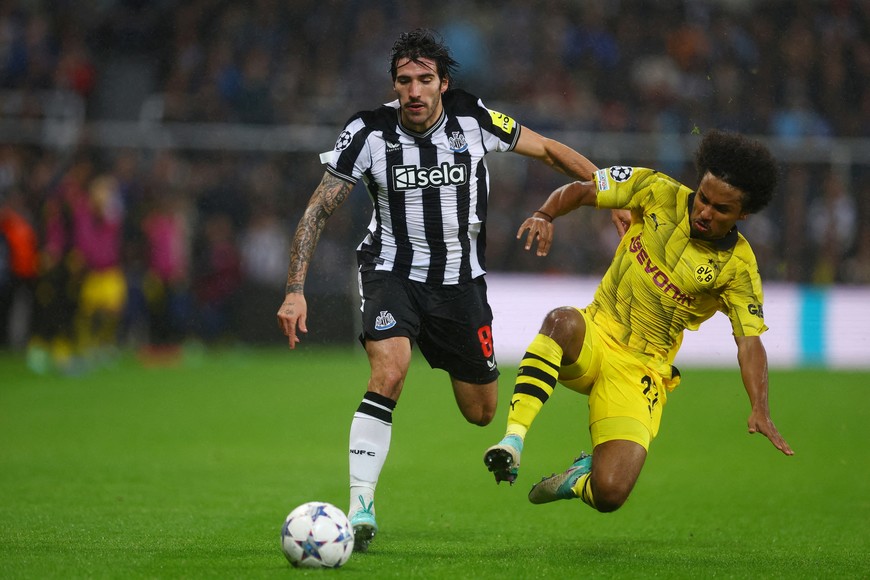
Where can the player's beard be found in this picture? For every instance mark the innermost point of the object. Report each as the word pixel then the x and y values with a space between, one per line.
pixel 422 117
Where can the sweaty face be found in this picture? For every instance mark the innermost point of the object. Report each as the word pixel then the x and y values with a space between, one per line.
pixel 419 89
pixel 716 208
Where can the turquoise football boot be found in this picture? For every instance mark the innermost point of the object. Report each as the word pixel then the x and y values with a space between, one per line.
pixel 560 485
pixel 362 521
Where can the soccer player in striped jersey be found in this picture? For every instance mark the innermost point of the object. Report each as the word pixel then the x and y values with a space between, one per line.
pixel 421 265
pixel 681 260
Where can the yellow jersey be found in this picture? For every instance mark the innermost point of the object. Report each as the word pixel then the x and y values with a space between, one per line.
pixel 663 281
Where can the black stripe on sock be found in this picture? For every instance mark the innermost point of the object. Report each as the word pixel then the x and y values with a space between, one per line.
pixel 584 493
pixel 536 373
pixel 380 400
pixel 528 354
pixel 532 390
pixel 377 406
pixel 375 412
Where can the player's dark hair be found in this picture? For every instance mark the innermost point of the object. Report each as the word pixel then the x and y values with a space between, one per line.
pixel 740 162
pixel 423 43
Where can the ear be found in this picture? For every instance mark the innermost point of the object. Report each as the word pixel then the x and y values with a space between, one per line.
pixel 445 82
pixel 743 216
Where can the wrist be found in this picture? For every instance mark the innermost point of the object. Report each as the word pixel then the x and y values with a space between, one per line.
pixel 543 215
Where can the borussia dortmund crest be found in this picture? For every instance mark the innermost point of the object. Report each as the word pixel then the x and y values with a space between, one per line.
pixel 706 273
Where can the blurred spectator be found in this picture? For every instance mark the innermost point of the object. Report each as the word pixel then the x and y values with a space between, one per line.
pixel 833 226
pixel 795 192
pixel 216 278
pixel 166 229
pixel 252 103
pixel 857 267
pixel 62 270
pixel 796 119
pixel 98 226
pixel 75 69
pixel 264 246
pixel 18 267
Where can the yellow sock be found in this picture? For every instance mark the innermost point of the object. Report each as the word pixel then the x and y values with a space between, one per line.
pixel 536 379
pixel 583 490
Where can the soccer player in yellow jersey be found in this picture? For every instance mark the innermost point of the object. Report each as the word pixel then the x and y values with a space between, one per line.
pixel 681 260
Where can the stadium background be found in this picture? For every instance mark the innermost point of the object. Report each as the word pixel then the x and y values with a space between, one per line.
pixel 217 110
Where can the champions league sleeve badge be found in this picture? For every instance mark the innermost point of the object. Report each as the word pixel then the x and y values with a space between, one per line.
pixel 343 141
pixel 620 173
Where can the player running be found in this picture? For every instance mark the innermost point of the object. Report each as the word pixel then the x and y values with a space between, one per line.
pixel 421 266
pixel 680 262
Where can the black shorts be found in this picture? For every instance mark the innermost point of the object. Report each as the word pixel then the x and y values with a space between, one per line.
pixel 451 324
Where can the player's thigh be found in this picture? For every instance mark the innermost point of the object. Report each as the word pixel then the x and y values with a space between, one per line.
pixel 475 393
pixel 456 332
pixel 476 402
pixel 582 373
pixel 626 401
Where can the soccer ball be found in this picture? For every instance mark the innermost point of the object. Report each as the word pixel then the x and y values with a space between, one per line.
pixel 317 535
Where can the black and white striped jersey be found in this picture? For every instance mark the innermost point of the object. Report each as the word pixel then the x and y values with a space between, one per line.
pixel 429 190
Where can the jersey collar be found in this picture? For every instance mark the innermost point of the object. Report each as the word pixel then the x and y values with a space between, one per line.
pixel 435 126
pixel 724 243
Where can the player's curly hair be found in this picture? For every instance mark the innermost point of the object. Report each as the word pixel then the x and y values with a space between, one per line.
pixel 423 43
pixel 740 162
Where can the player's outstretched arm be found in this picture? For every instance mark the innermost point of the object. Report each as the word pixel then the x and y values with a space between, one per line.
pixel 753 368
pixel 329 195
pixel 539 226
pixel 557 155
pixel 565 160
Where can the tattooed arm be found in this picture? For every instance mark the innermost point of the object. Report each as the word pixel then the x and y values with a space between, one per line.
pixel 329 195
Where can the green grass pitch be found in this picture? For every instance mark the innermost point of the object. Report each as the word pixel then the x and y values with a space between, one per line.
pixel 188 472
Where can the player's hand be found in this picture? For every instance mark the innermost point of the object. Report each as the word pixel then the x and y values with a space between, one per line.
pixel 292 315
pixel 621 219
pixel 538 229
pixel 760 423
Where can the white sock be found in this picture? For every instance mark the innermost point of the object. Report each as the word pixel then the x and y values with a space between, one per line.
pixel 370 433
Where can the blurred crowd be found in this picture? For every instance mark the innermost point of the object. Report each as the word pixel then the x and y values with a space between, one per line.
pixel 106 246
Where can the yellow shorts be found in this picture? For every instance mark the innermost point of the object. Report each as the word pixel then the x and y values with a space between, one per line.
pixel 104 290
pixel 626 395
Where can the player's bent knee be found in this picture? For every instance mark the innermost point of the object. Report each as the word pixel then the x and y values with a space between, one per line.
pixel 606 503
pixel 610 495
pixel 387 382
pixel 561 316
pixel 479 421
pixel 485 418
pixel 480 416
pixel 565 325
